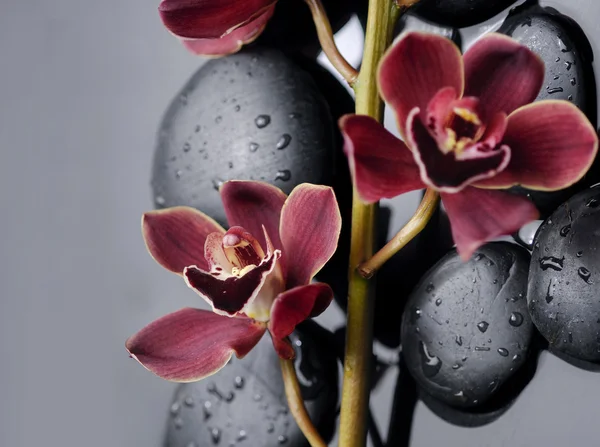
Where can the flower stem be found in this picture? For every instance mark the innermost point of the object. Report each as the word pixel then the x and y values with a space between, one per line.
pixel 413 227
pixel 328 45
pixel 296 404
pixel 359 339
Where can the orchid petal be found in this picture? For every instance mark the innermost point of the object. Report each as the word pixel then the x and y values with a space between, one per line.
pixel 232 42
pixel 210 19
pixel 175 237
pixel 449 172
pixel 228 294
pixel 415 69
pixel 297 305
pixel 310 228
pixel 191 344
pixel 480 215
pixel 381 164
pixel 252 205
pixel 284 348
pixel 502 73
pixel 552 146
pixel 241 248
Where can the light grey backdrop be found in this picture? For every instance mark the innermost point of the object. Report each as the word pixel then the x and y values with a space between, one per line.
pixel 82 89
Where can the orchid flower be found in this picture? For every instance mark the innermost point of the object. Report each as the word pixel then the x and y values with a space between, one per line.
pixel 256 275
pixel 469 129
pixel 216 27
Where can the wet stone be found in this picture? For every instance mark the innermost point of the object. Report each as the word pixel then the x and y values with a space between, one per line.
pixel 274 125
pixel 479 326
pixel 564 301
pixel 568 57
pixel 257 414
pixel 461 13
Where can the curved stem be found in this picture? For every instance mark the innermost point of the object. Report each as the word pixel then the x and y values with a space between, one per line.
pixel 413 227
pixel 359 339
pixel 328 45
pixel 296 404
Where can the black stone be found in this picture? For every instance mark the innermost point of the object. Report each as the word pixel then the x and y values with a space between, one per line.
pixel 460 13
pixel 466 330
pixel 568 57
pixel 226 123
pixel 564 277
pixel 245 404
pixel 412 22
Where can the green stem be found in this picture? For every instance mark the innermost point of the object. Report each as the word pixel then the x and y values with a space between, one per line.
pixel 359 340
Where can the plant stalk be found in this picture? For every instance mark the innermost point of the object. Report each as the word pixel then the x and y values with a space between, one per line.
pixel 382 16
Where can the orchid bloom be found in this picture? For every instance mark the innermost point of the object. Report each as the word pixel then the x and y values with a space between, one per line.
pixel 255 275
pixel 216 27
pixel 469 130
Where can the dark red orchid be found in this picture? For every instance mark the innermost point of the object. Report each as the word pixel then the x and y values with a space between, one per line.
pixel 255 275
pixel 469 130
pixel 216 27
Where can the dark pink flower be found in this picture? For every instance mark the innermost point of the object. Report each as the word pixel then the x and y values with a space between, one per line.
pixel 469 129
pixel 216 27
pixel 255 275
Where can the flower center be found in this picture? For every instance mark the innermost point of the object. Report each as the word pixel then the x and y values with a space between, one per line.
pixel 463 128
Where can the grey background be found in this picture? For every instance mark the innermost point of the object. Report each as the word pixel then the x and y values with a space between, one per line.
pixel 83 87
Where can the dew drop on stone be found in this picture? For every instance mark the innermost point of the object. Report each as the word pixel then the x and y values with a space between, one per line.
pixel 178 422
pixel 456 366
pixel 482 348
pixel 458 340
pixel 238 382
pixel 198 128
pixel 189 401
pixel 217 183
pixel 215 435
pixel 257 397
pixel 503 352
pixel 438 302
pixel 483 326
pixel 237 108
pixel 159 200
pixel 253 147
pixel 284 175
pixel 284 141
pixel 270 427
pixel 584 274
pixel 178 173
pixel 230 164
pixel 516 357
pixel 551 262
pixel 564 231
pixel 262 121
pixel 187 147
pixel 282 439
pixel 516 319
pixel 242 435
pixel 430 363
pixel 592 203
pixel 175 408
pixel 218 119
pixel 552 91
pixel 579 254
pixel 429 287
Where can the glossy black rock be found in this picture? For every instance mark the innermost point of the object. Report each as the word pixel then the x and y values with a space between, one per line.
pixel 568 57
pixel 245 403
pixel 465 330
pixel 253 115
pixel 461 13
pixel 564 277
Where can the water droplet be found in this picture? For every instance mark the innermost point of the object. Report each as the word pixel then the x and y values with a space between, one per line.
pixel 159 200
pixel 570 97
pixel 592 203
pixel 217 183
pixel 253 147
pixel 550 262
pixel 579 254
pixel 570 337
pixel 557 59
pixel 556 77
pixel 549 296
pixel 215 435
pixel 175 408
pixel 241 435
pixel 429 287
pixel 458 340
pixel 481 348
pixel 270 427
pixel 503 352
pixel 516 357
pixel 198 128
pixel 455 366
pixel 189 401
pixel 516 319
pixel 218 119
pixel 568 65
pixel 178 173
pixel 262 121
pixel 187 147
pixel 238 382
pixel 564 231
pixel 483 326
pixel 584 274
pixel 178 422
pixel 495 281
pixel 284 141
pixel 282 439
pixel 257 397
pixel 573 81
pixel 430 363
pixel 284 175
pixel 237 108
pixel 478 257
pixel 230 164
pixel 438 302
pixel 552 91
